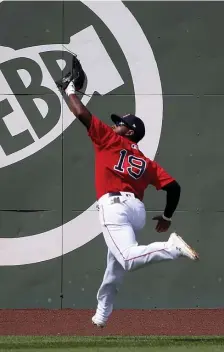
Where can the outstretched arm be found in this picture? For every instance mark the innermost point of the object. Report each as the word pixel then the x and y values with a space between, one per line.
pixel 68 84
pixel 100 133
pixel 77 108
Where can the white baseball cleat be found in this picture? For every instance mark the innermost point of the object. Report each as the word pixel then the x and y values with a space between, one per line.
pixel 184 249
pixel 98 322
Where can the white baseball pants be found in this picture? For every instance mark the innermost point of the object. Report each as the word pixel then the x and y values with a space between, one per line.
pixel 121 217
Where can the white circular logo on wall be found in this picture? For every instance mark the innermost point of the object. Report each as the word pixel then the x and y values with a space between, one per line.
pixel 149 106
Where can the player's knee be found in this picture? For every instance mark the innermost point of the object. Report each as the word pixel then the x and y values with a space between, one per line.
pixel 128 265
pixel 124 263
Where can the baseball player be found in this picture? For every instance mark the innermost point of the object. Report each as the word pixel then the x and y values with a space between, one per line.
pixel 122 173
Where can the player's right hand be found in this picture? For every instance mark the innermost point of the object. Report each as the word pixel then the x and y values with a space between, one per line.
pixel 162 224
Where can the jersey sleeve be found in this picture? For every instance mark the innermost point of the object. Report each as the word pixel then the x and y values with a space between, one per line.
pixel 158 177
pixel 100 133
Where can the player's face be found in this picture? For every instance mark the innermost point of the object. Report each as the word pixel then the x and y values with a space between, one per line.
pixel 122 129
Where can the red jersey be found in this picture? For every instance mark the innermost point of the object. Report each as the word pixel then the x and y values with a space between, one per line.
pixel 120 165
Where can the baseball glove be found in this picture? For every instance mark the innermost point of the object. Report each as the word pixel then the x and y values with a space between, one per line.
pixel 75 75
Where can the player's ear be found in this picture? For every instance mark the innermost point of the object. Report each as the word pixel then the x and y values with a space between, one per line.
pixel 130 133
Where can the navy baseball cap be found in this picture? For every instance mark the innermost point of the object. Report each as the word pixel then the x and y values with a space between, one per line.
pixel 133 122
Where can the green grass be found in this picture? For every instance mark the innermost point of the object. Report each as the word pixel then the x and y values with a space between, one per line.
pixel 93 342
pixel 126 349
pixel 111 344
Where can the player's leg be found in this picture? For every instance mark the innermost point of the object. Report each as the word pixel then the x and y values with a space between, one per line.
pixel 121 241
pixel 116 220
pixel 137 257
pixel 113 277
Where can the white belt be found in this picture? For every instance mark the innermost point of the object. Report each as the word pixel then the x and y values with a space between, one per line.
pixel 114 195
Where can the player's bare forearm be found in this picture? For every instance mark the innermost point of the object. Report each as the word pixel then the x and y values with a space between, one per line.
pixel 70 83
pixel 79 110
pixel 173 190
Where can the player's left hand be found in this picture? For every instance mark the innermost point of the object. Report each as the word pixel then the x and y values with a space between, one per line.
pixel 162 224
pixel 75 75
